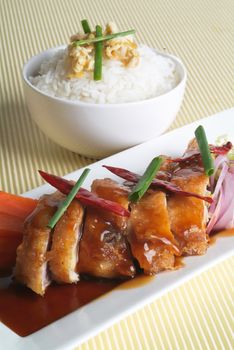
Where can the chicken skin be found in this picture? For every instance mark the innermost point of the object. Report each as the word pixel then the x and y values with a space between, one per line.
pixel 104 250
pixel 151 240
pixel 63 256
pixel 31 262
pixel 96 242
pixel 188 215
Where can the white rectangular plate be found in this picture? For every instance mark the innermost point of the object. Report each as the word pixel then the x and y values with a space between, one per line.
pixel 84 323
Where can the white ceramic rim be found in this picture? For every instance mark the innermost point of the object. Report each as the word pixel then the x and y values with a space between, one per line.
pixel 79 326
pixel 102 105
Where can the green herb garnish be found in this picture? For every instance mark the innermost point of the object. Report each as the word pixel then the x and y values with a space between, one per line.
pixel 207 159
pixel 146 179
pixel 85 26
pixel 98 55
pixel 103 38
pixel 65 204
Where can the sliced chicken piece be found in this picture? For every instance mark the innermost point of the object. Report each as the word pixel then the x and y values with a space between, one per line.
pixel 166 169
pixel 31 261
pixel 63 256
pixel 152 242
pixel 188 215
pixel 104 250
pixel 112 190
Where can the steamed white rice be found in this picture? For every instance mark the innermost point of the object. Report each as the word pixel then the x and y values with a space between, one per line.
pixel 154 76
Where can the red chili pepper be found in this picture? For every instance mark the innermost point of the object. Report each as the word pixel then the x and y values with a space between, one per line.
pixel 85 196
pixel 189 156
pixel 132 177
pixel 192 155
pixel 221 149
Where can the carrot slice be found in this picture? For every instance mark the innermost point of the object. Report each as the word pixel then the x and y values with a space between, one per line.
pixel 16 205
pixel 13 212
pixel 10 223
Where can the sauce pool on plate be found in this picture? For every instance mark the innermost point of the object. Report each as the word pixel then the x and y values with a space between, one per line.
pixel 24 312
pixel 226 233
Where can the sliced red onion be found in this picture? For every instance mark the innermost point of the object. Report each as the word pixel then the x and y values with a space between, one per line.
pixel 218 186
pixel 226 214
pixel 231 168
pixel 228 191
pixel 215 214
pixel 227 220
pixel 221 210
pixel 217 164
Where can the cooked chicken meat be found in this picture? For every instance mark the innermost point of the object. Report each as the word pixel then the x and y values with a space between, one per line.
pixel 188 215
pixel 31 261
pixel 152 242
pixel 102 244
pixel 64 251
pixel 104 250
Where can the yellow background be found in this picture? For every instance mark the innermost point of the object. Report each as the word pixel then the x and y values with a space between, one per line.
pixel 199 314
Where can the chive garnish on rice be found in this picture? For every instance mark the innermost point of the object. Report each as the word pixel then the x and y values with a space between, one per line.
pixel 98 42
pixel 103 38
pixel 85 26
pixel 98 55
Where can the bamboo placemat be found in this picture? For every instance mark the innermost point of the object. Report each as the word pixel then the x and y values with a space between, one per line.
pixel 199 314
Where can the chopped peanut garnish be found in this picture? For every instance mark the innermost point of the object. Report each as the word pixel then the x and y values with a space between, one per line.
pixel 124 50
pixel 81 58
pixel 111 28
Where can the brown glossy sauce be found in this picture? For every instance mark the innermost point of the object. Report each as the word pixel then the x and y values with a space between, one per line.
pixel 179 262
pixel 138 281
pixel 226 233
pixel 24 312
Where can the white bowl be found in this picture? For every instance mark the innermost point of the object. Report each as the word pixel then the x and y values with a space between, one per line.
pixel 98 130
